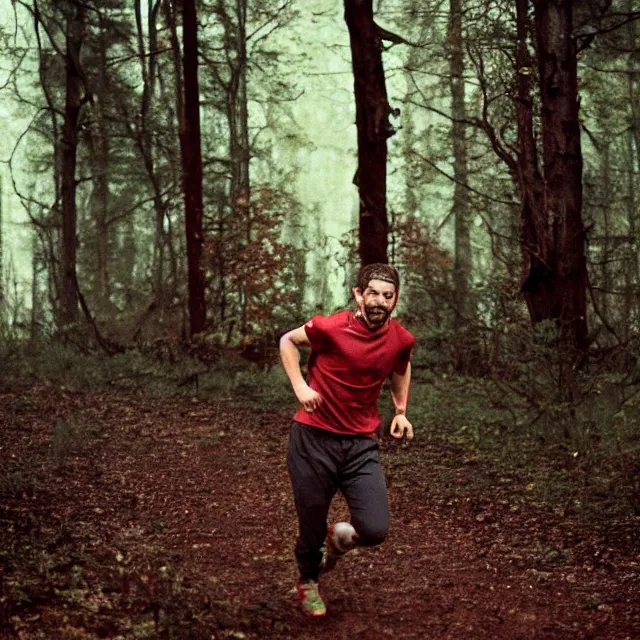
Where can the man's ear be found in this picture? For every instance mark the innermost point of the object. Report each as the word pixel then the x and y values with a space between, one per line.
pixel 357 294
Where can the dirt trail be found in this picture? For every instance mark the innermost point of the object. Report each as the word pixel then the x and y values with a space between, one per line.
pixel 136 517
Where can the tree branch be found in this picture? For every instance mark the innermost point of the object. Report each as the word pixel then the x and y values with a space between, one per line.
pixel 453 179
pixel 394 38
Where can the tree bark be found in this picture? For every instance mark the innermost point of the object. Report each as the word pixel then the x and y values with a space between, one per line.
pixel 538 252
pixel 632 272
pixel 632 268
pixel 373 127
pixel 75 96
pixel 562 166
pixel 239 152
pixel 38 265
pixel 98 140
pixel 607 278
pixel 190 144
pixel 1 256
pixel 169 10
pixel 144 137
pixel 553 235
pixel 460 207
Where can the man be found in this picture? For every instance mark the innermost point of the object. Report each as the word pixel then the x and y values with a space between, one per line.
pixel 332 445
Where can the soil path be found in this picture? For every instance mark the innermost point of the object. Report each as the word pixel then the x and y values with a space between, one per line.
pixel 137 517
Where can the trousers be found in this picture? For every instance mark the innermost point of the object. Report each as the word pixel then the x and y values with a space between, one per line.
pixel 320 463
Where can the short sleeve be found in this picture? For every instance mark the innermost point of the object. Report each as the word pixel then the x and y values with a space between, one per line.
pixel 404 355
pixel 316 330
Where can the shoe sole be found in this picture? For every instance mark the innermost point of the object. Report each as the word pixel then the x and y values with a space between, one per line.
pixel 311 614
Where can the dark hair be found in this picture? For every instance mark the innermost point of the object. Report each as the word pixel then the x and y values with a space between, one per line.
pixel 377 271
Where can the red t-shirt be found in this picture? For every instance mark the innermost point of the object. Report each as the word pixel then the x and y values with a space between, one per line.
pixel 347 367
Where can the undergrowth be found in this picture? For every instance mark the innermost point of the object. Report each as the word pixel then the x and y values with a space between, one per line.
pixel 134 371
pixel 515 418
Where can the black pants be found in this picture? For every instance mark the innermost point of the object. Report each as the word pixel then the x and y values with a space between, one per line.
pixel 321 463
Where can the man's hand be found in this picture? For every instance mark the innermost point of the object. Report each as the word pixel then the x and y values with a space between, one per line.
pixel 308 398
pixel 401 426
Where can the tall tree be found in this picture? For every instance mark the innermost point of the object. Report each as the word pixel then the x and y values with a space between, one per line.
pixel 234 85
pixel 144 134
pixel 460 206
pixel 98 139
pixel 553 234
pixel 632 272
pixel 190 145
pixel 76 95
pixel 562 166
pixel 1 254
pixel 373 126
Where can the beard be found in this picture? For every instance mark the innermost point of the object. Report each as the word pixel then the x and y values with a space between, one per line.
pixel 376 316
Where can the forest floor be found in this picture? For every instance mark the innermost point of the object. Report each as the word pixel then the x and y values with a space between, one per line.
pixel 128 516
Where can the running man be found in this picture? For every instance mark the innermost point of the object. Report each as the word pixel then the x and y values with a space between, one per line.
pixel 332 443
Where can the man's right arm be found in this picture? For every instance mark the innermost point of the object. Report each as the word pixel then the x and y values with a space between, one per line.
pixel 290 344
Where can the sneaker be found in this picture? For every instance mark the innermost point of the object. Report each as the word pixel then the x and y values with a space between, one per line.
pixel 341 537
pixel 309 598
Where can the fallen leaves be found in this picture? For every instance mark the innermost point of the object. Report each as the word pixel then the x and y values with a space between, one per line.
pixel 163 522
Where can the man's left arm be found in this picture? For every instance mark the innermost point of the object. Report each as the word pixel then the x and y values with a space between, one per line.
pixel 400 384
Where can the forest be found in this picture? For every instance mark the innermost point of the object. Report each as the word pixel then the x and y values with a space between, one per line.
pixel 183 181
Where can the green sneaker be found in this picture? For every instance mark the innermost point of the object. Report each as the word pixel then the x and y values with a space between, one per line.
pixel 309 598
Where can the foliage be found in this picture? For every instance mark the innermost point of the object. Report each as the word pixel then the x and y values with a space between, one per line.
pixel 263 271
pixel 207 372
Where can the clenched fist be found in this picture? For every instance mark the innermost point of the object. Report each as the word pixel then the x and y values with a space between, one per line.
pixel 401 426
pixel 308 398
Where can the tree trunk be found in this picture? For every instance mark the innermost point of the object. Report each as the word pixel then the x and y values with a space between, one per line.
pixel 562 164
pixel 537 248
pixel 74 99
pixel 632 270
pixel 99 149
pixel 460 207
pixel 372 122
pixel 1 256
pixel 553 237
pixel 38 265
pixel 144 137
pixel 239 152
pixel 190 145
pixel 220 262
pixel 98 140
pixel 632 266
pixel 175 254
pixel 606 254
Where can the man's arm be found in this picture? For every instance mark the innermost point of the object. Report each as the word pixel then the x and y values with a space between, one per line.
pixel 400 385
pixel 290 344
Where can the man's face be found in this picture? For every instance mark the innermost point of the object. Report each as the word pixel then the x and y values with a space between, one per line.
pixel 376 302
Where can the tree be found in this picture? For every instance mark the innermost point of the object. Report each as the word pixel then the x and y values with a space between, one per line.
pixel 1 255
pixel 76 95
pixel 236 108
pixel 555 280
pixel 460 206
pixel 98 139
pixel 190 146
pixel 374 128
pixel 244 67
pixel 145 133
